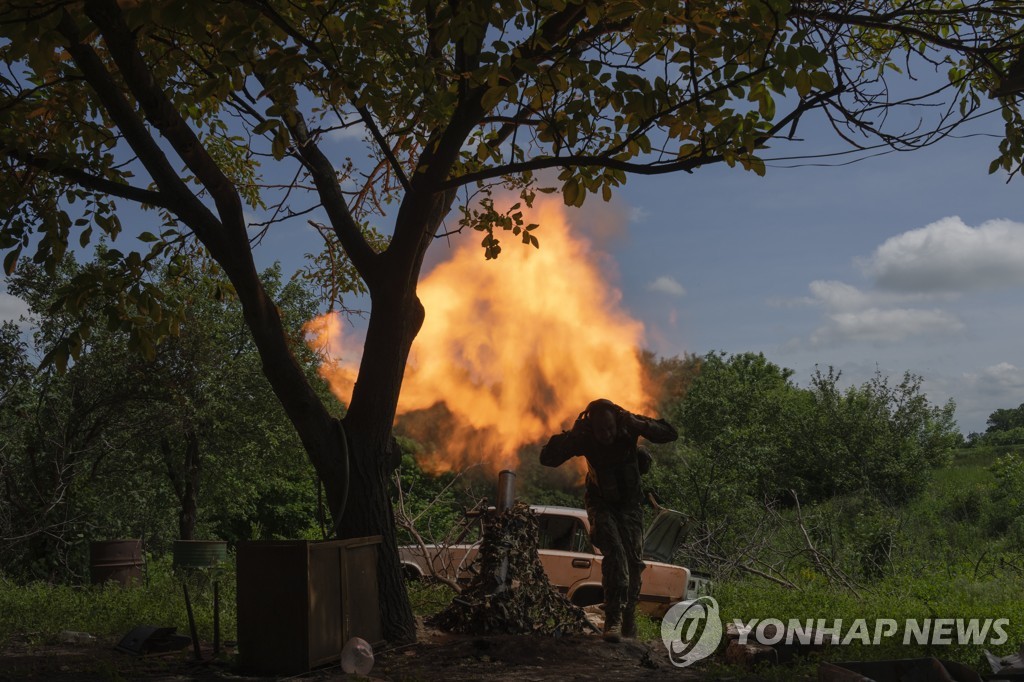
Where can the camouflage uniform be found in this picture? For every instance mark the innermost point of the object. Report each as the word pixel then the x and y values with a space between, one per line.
pixel 613 497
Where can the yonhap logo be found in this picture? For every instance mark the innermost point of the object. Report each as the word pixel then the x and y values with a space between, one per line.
pixel 691 630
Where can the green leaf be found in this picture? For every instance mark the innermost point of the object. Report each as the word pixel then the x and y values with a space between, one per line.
pixel 264 127
pixel 766 107
pixel 821 80
pixel 75 345
pixel 570 192
pixel 757 165
pixel 148 237
pixel 11 261
pixel 803 84
pixel 491 97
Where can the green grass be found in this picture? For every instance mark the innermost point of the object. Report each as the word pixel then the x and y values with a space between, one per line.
pixel 40 611
pixel 980 456
pixel 428 597
pixel 939 593
pixel 934 594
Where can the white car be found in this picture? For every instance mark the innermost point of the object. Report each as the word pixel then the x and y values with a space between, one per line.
pixel 572 563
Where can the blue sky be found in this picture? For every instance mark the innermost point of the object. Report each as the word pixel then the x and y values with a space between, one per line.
pixel 911 261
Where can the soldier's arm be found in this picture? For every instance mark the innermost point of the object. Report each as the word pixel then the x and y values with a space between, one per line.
pixel 654 430
pixel 560 448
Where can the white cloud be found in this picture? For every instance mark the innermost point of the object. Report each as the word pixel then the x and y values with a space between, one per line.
pixel 250 218
pixel 11 307
pixel 1000 379
pixel 354 130
pixel 938 262
pixel 838 295
pixel 855 315
pixel 950 256
pixel 667 285
pixel 981 392
pixel 638 214
pixel 885 325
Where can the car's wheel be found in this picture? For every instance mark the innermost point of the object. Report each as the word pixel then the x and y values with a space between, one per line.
pixel 411 572
pixel 587 595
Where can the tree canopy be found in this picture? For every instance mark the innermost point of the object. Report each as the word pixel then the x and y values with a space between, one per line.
pixel 183 107
pixel 118 445
pixel 195 111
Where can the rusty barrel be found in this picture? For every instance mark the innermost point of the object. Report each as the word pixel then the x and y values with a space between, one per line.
pixel 199 553
pixel 119 561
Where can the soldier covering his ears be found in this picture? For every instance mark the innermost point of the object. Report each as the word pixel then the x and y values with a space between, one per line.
pixel 606 435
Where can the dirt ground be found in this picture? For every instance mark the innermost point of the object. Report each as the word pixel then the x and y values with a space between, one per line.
pixel 437 656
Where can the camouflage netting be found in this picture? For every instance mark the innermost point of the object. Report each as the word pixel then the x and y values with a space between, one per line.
pixel 525 602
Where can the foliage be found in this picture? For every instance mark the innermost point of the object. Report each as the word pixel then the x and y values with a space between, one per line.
pixel 1006 419
pixel 112 446
pixel 755 428
pixel 735 416
pixel 875 436
pixel 1005 427
pixel 776 478
pixel 1006 514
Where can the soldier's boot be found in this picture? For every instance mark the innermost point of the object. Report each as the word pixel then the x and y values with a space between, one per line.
pixel 629 622
pixel 613 628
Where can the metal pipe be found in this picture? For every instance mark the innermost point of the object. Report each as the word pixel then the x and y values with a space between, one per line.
pixel 506 490
pixel 506 498
pixel 192 622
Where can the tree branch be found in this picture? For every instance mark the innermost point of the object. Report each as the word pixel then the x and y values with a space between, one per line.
pixel 580 160
pixel 470 111
pixel 278 20
pixel 162 114
pixel 384 146
pixel 887 22
pixel 185 204
pixel 321 170
pixel 93 182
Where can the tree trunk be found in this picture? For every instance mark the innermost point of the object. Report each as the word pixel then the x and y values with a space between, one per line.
pixel 190 491
pixel 369 512
pixel 356 490
pixel 184 482
pixel 374 453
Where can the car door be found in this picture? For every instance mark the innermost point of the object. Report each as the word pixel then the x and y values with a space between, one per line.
pixel 664 536
pixel 565 550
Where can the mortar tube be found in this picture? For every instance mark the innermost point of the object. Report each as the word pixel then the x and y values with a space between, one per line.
pixel 506 498
pixel 506 490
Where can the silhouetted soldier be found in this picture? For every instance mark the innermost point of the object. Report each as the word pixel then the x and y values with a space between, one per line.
pixel 606 435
